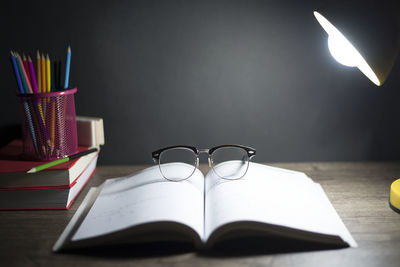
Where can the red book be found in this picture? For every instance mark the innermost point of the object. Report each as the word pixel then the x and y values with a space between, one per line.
pixel 54 188
pixel 13 170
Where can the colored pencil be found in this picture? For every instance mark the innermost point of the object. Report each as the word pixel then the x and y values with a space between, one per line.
pixel 62 160
pixel 44 87
pixel 67 68
pixel 39 82
pixel 24 75
pixel 48 77
pixel 24 86
pixel 26 67
pixel 39 71
pixel 52 127
pixel 48 73
pixel 53 107
pixel 37 104
pixel 30 124
pixel 25 104
pixel 33 76
pixel 16 71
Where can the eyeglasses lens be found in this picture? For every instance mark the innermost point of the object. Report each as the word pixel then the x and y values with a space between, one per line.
pixel 230 162
pixel 183 158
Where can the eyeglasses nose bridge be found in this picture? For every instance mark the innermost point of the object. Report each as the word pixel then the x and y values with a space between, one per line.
pixel 209 162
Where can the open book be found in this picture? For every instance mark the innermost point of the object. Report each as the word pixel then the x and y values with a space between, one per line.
pixel 145 207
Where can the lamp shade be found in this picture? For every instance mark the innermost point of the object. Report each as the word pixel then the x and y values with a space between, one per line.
pixel 362 34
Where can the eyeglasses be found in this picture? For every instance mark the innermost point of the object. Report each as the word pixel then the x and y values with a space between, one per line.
pixel 227 161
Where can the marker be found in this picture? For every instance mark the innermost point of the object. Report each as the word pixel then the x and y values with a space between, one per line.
pixel 62 160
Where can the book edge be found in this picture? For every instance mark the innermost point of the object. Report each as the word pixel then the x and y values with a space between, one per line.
pixel 347 238
pixel 64 237
pixel 85 161
pixel 79 191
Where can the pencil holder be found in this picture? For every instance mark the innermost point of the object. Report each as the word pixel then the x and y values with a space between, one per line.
pixel 48 125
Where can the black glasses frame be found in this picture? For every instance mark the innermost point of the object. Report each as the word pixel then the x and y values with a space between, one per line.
pixel 251 152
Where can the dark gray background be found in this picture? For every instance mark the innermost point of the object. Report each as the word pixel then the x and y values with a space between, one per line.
pixel 160 73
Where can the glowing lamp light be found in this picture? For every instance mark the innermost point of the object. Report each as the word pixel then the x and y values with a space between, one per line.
pixel 361 34
pixel 343 51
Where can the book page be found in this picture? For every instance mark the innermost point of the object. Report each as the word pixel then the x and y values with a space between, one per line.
pixel 269 195
pixel 143 198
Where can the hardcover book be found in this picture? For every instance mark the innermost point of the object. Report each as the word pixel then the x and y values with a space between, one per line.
pixel 13 170
pixel 145 207
pixel 47 197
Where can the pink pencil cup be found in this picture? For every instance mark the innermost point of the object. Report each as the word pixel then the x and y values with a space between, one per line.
pixel 48 125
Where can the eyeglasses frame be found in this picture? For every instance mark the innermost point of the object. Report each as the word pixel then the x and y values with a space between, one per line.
pixel 156 155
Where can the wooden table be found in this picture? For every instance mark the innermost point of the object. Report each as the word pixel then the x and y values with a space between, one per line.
pixel 358 190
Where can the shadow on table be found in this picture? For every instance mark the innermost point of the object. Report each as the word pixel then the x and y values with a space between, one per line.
pixel 248 246
pixel 229 249
pixel 157 249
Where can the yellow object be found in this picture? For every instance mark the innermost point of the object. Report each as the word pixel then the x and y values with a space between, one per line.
pixel 39 71
pixel 52 128
pixel 41 114
pixel 48 72
pixel 395 195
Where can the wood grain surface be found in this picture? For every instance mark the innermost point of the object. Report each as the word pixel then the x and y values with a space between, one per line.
pixel 359 191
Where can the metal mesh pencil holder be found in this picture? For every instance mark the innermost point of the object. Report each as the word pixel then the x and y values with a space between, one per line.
pixel 48 124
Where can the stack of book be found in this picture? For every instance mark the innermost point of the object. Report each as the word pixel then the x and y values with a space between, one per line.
pixel 53 188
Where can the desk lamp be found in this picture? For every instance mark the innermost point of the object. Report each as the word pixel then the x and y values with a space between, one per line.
pixel 364 34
